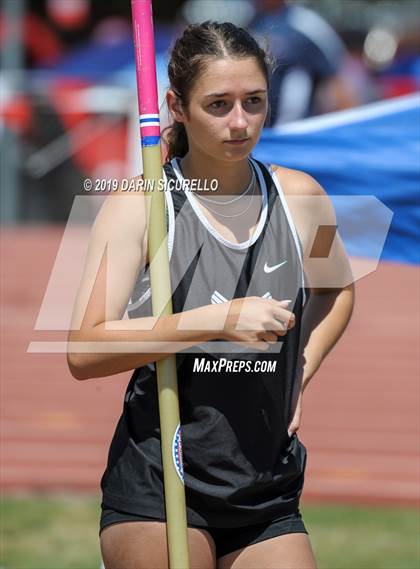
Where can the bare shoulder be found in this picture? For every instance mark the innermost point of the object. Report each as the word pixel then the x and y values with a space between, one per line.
pixel 325 262
pixel 296 182
pixel 308 203
pixel 123 213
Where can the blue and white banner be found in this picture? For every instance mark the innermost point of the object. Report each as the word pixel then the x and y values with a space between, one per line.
pixel 368 151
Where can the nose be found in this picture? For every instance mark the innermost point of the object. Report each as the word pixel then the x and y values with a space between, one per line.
pixel 237 119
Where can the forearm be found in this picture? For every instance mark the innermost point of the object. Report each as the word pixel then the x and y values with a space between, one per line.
pixel 116 346
pixel 325 319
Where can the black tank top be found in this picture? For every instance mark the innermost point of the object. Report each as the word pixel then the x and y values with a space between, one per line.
pixel 240 465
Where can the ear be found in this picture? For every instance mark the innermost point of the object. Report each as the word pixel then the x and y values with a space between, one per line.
pixel 175 106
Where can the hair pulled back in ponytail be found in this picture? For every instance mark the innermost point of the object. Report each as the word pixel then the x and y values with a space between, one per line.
pixel 189 58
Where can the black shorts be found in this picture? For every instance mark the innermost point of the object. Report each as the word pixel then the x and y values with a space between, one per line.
pixel 226 539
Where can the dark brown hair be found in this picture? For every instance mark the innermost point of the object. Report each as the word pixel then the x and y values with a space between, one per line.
pixel 189 58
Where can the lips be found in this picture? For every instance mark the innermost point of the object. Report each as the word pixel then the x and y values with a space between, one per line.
pixel 239 141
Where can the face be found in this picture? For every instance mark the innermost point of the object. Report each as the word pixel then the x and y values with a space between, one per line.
pixel 227 103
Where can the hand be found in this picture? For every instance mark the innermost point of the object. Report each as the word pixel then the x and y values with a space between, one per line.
pixel 305 370
pixel 257 321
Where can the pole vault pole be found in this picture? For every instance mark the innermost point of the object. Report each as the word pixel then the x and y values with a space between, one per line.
pixel 170 431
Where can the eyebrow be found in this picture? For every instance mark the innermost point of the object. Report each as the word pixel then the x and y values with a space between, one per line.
pixel 224 94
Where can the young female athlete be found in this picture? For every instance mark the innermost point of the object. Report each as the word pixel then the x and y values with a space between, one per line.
pixel 261 293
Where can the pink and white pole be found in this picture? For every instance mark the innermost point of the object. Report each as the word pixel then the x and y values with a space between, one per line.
pixel 173 474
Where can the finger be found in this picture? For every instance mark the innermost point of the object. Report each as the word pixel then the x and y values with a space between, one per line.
pixel 267 338
pixel 292 430
pixel 291 322
pixel 279 328
pixel 286 317
pixel 270 337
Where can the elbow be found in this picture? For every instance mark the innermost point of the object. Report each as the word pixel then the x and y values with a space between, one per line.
pixel 79 363
pixel 351 291
pixel 78 368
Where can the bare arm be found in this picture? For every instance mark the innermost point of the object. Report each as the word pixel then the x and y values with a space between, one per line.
pixel 325 319
pixel 102 342
pixel 330 279
pixel 327 270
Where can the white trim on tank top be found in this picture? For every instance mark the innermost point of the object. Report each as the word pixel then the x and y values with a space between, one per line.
pixel 263 216
pixel 207 224
pixel 171 218
pixel 171 228
pixel 291 225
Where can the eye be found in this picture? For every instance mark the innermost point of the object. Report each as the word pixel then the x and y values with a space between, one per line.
pixel 254 100
pixel 217 104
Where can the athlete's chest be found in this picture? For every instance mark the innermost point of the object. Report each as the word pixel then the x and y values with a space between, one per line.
pixel 207 268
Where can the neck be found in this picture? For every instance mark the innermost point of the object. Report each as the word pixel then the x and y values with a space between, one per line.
pixel 233 177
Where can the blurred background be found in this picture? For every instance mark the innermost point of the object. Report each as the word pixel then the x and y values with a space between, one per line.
pixel 345 108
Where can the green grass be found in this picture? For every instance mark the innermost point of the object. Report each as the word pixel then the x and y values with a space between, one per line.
pixel 56 532
pixel 346 537
pixel 50 532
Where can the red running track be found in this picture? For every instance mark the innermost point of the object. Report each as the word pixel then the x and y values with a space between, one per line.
pixel 360 413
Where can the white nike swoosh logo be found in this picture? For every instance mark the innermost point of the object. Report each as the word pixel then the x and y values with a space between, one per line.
pixel 268 269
